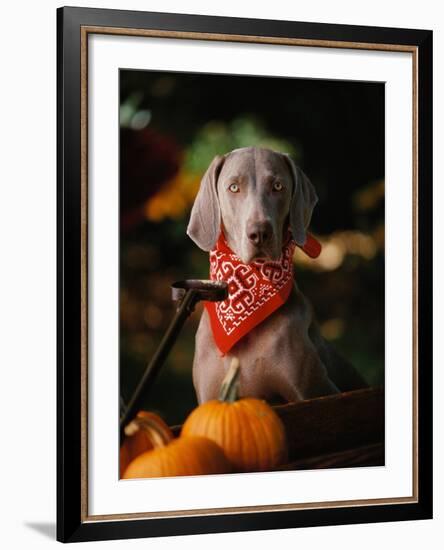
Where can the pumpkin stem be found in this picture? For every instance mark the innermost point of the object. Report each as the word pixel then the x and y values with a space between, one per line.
pixel 143 423
pixel 229 390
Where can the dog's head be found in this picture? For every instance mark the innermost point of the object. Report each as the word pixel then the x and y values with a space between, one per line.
pixel 252 194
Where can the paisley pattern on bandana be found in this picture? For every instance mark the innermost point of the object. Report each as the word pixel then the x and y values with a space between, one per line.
pixel 255 290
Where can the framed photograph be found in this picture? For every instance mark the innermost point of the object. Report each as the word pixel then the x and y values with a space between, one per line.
pixel 244 274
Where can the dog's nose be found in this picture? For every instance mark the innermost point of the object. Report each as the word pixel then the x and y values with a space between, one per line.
pixel 259 232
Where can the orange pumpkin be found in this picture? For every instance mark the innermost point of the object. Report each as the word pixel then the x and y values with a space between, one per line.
pixel 185 456
pixel 146 432
pixel 248 430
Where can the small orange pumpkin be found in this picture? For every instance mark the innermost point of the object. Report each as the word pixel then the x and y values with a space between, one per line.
pixel 146 432
pixel 185 456
pixel 248 430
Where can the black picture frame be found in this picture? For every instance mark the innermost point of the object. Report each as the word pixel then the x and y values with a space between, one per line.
pixel 72 525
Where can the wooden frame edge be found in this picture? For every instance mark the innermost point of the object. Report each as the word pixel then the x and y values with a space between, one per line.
pixel 222 37
pixel 85 31
pixel 73 25
pixel 84 270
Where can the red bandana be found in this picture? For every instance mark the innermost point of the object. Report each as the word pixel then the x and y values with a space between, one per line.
pixel 255 290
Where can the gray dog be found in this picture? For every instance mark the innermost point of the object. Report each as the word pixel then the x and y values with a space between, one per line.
pixel 253 195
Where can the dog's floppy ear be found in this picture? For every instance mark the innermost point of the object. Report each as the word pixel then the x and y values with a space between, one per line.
pixel 303 201
pixel 204 224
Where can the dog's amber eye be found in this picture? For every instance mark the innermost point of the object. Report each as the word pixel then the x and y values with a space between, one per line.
pixel 277 186
pixel 234 188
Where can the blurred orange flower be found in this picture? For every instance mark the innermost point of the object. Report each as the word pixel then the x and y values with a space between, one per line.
pixel 175 199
